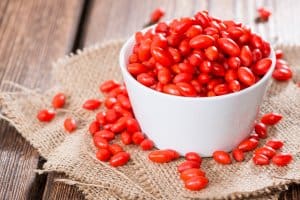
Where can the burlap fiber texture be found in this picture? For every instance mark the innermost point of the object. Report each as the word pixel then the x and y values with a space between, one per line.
pixel 74 154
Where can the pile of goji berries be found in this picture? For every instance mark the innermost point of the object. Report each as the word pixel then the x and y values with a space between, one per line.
pixel 197 57
pixel 261 155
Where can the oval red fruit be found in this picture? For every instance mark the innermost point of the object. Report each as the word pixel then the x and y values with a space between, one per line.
pixel 222 157
pixel 59 100
pixel 119 159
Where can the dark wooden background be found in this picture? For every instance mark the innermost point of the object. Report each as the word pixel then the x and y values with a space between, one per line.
pixel 34 33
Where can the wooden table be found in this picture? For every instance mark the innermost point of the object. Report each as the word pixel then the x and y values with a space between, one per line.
pixel 34 33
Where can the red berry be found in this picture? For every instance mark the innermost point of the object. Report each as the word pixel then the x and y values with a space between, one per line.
pixel 59 100
pixel 222 157
pixel 46 115
pixel 193 156
pixel 271 118
pixel 147 144
pixel 248 144
pixel 161 156
pixel 115 148
pixel 261 130
pixel 94 127
pixel 189 164
pixel 189 173
pixel 260 159
pixel 138 137
pixel 103 155
pixel 238 155
pixel 91 104
pixel 119 159
pixel 70 125
pixel 282 159
pixel 275 144
pixel 106 134
pixel 156 15
pixel 196 183
pixel 246 76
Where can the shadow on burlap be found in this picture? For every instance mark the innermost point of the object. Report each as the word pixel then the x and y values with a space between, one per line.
pixel 74 154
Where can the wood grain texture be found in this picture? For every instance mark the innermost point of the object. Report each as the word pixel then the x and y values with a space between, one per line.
pixel 60 191
pixel 33 33
pixel 119 19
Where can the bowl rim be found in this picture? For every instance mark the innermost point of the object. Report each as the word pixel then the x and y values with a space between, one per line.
pixel 123 63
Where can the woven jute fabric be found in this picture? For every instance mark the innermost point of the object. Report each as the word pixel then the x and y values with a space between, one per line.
pixel 74 154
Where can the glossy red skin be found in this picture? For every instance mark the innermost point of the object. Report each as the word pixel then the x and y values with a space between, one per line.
pixel 202 41
pixel 115 148
pixel 229 46
pixel 106 134
pixel 145 79
pixel 193 156
pixel 234 62
pixel 221 89
pixel 132 125
pixel 234 86
pixel 156 15
pixel 91 104
pixel 164 75
pixel 271 118
pixel 108 85
pixel 162 56
pixel 261 129
pixel 222 157
pixel 136 68
pixel 187 165
pixel 138 137
pixel 100 142
pixel 126 138
pixel 147 144
pixel 282 74
pixel 260 159
pixel 161 156
pixel 248 145
pixel 186 89
pixel 246 76
pixel 124 101
pixel 171 89
pixel 182 77
pixel 262 66
pixel 119 159
pixel 189 173
pixel 46 115
pixel 282 159
pixel 119 125
pixel 111 116
pixel 103 155
pixel 212 53
pixel 238 155
pixel 266 150
pixel 196 183
pixel 59 100
pixel 110 102
pixel 94 127
pixel 275 144
pixel 246 56
pixel 70 125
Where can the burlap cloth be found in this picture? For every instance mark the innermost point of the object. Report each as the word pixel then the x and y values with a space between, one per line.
pixel 74 154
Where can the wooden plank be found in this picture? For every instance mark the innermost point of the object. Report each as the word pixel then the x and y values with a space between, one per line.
pixel 33 33
pixel 57 190
pixel 119 19
pixel 224 9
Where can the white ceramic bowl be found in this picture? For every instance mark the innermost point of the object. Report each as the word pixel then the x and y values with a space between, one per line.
pixel 199 124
